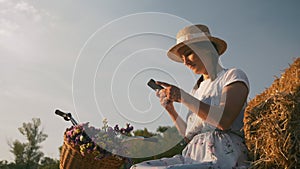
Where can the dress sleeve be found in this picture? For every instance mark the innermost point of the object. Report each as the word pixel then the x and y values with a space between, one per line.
pixel 236 75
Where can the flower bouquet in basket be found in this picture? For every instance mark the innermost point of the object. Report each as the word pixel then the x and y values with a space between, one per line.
pixel 87 147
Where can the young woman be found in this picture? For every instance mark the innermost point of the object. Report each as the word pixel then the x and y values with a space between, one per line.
pixel 216 106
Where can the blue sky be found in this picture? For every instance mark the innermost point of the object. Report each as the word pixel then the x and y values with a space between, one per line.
pixel 55 54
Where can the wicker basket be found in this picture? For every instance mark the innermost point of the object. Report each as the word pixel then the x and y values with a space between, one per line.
pixel 71 158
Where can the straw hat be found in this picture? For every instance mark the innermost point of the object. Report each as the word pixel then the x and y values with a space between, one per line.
pixel 192 34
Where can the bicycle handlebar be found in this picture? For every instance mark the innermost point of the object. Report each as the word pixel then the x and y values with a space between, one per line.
pixel 66 116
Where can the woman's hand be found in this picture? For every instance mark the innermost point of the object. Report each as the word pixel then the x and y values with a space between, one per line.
pixel 168 96
pixel 164 101
pixel 170 93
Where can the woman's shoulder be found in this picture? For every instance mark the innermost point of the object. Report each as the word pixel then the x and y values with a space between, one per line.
pixel 234 75
pixel 234 70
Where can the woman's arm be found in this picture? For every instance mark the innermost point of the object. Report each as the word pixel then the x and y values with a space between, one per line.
pixel 168 105
pixel 222 116
pixel 179 122
pixel 233 98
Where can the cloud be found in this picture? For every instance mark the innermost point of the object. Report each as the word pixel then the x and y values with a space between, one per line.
pixel 24 7
pixel 18 15
pixel 7 27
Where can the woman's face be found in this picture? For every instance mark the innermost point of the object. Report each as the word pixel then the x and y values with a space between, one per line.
pixel 191 59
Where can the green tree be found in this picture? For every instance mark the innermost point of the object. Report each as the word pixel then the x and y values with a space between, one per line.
pixel 18 149
pixel 162 129
pixel 49 163
pixel 5 165
pixel 145 133
pixel 28 154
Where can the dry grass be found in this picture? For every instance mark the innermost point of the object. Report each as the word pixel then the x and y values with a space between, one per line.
pixel 272 123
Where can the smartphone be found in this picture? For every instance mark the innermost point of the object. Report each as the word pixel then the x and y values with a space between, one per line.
pixel 153 85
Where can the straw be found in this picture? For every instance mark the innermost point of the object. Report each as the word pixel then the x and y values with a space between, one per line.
pixel 272 123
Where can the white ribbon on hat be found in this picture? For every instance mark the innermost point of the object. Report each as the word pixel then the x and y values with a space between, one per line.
pixel 191 36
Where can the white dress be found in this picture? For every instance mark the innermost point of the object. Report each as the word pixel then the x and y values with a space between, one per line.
pixel 209 147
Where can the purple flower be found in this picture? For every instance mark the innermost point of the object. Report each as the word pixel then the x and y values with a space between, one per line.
pixel 91 139
pixel 116 128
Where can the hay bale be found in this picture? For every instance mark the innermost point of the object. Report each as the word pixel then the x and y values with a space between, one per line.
pixel 272 123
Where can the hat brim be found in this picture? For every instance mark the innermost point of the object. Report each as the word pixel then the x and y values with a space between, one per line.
pixel 219 44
